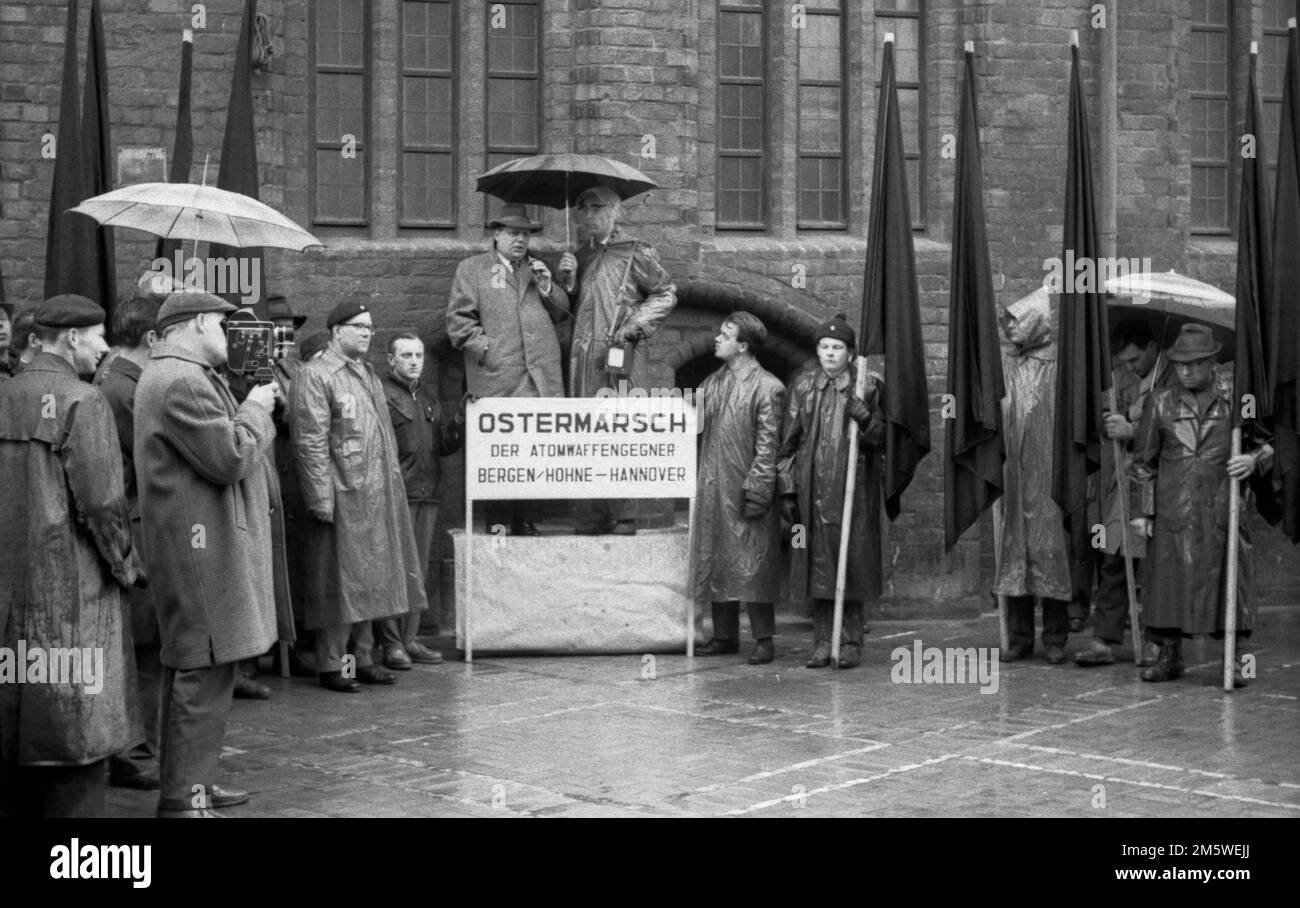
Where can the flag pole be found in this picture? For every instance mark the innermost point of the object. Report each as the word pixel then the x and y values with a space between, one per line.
pixel 846 516
pixel 1004 632
pixel 1121 492
pixel 1230 606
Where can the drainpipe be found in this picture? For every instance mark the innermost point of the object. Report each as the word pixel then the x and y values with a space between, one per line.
pixel 1109 129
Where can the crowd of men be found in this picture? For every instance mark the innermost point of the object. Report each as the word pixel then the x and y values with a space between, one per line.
pixel 181 519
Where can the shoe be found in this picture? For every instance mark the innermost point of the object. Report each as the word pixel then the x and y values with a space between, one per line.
pixel 1055 655
pixel 336 682
pixel 1099 653
pixel 199 814
pixel 718 647
pixel 591 529
pixel 763 652
pixel 1168 666
pixel 396 658
pixel 1238 679
pixel 423 655
pixel 248 689
pixel 624 528
pixel 227 797
pixel 1150 653
pixel 1016 651
pixel 373 674
pixel 821 656
pixel 140 781
pixel 1076 625
pixel 850 656
pixel 524 529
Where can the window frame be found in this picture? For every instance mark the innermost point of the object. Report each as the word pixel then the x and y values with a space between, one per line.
pixel 402 222
pixel 340 226
pixel 763 154
pixel 836 9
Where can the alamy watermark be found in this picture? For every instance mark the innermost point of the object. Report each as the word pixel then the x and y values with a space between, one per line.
pixel 57 665
pixel 214 274
pixel 950 665
pixel 1088 275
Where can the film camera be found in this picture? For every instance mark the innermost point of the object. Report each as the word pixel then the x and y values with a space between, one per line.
pixel 253 345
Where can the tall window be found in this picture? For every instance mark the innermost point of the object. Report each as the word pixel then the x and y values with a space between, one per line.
pixel 903 18
pixel 821 117
pixel 427 175
pixel 338 161
pixel 1271 73
pixel 741 115
pixel 1212 121
pixel 514 81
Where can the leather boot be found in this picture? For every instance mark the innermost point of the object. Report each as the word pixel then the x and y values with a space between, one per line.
pixel 822 617
pixel 1168 665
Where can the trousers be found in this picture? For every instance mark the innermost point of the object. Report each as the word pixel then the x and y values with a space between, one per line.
pixel 196 704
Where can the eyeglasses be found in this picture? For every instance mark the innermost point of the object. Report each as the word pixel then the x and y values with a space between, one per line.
pixel 367 329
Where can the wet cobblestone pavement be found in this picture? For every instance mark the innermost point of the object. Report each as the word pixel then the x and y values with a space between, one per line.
pixel 616 736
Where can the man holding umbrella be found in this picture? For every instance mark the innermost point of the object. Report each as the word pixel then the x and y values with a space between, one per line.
pixel 623 295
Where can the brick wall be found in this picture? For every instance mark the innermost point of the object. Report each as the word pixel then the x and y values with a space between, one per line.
pixel 616 71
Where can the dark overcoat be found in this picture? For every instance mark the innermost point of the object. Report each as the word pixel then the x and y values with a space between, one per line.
pixel 202 466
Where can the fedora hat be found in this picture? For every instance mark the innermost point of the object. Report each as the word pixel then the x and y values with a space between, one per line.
pixel 513 215
pixel 1194 342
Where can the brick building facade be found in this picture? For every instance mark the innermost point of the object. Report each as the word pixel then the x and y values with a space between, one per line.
pixel 755 117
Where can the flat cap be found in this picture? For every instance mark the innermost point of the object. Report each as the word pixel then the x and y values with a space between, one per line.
pixel 345 312
pixel 68 310
pixel 179 307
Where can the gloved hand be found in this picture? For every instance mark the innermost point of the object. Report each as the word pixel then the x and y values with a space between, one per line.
pixel 754 509
pixel 629 334
pixel 859 411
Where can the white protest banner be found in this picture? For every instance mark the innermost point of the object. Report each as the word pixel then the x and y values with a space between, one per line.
pixel 589 447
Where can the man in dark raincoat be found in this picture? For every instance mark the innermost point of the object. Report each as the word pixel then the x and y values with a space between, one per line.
pixel 67 681
pixel 364 563
pixel 203 470
pixel 1181 473
pixel 623 295
pixel 737 543
pixel 812 469
pixel 1034 557
pixel 133 332
pixel 1143 369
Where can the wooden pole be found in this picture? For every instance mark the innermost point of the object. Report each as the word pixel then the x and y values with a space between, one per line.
pixel 1230 605
pixel 1130 581
pixel 469 566
pixel 1004 632
pixel 846 516
pixel 690 582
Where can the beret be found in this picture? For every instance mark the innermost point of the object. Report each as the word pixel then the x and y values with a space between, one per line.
pixel 68 310
pixel 345 312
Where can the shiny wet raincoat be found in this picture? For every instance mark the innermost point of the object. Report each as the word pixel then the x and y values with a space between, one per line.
pixel 621 283
pixel 738 559
pixel 1179 477
pixel 67 558
pixel 813 464
pixel 1034 559
pixel 364 565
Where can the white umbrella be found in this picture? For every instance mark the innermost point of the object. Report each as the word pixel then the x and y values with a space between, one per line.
pixel 1177 294
pixel 193 212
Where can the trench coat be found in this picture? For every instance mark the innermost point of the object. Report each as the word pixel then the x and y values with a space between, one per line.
pixel 202 468
pixel 365 564
pixel 738 559
pixel 1034 559
pixel 620 285
pixel 813 466
pixel 1179 478
pixel 506 329
pixel 68 556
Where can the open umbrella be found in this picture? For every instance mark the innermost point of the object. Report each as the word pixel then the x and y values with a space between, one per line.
pixel 193 212
pixel 1169 300
pixel 556 180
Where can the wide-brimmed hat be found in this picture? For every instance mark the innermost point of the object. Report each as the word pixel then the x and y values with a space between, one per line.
pixel 278 307
pixel 514 215
pixel 1194 342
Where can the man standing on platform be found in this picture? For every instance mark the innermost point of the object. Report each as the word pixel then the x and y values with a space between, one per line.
pixel 68 555
pixel 1142 370
pixel 202 467
pixel 502 315
pixel 813 468
pixel 423 436
pixel 364 564
pixel 1182 467
pixel 1034 558
pixel 623 295
pixel 737 541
